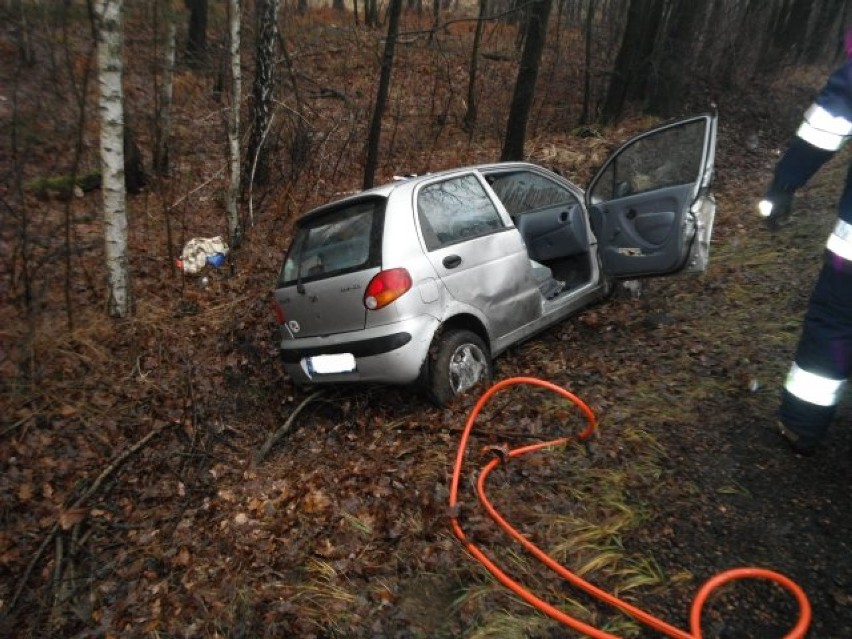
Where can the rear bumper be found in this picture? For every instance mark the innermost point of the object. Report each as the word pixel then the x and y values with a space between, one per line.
pixel 391 354
pixel 358 348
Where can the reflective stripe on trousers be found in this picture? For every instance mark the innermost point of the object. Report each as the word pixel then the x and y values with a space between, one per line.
pixel 824 355
pixel 824 130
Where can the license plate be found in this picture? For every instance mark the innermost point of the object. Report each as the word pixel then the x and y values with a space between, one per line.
pixel 328 364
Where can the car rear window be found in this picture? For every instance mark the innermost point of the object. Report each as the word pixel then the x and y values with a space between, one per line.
pixel 338 241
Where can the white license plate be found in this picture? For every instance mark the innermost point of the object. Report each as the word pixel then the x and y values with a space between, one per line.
pixel 327 364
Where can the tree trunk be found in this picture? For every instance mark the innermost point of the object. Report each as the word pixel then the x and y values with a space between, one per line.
pixel 585 116
pixel 257 159
pixel 436 18
pixel 196 42
pixel 108 14
pixel 338 5
pixel 135 178
pixel 375 133
pixel 675 57
pixel 164 108
pixel 795 33
pixel 522 98
pixel 234 124
pixel 371 13
pixel 632 65
pixel 744 47
pixel 818 44
pixel 469 119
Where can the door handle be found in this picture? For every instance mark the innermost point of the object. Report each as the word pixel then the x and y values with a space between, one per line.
pixel 631 214
pixel 451 261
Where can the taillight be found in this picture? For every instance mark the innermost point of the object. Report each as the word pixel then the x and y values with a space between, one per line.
pixel 278 311
pixel 386 287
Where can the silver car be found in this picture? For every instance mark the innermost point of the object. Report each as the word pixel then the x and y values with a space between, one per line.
pixel 425 280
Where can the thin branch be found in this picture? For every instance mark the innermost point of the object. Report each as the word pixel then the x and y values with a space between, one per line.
pixel 254 167
pixel 285 428
pixel 93 488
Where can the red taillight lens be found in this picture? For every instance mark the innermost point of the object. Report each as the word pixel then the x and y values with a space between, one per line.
pixel 278 311
pixel 385 287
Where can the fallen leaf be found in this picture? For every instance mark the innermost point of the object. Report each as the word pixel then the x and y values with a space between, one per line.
pixel 183 558
pixel 71 517
pixel 67 411
pixel 316 501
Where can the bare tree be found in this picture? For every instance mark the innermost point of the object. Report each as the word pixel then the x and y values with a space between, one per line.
pixel 470 113
pixel 522 98
pixel 674 55
pixel 371 13
pixel 827 14
pixel 395 9
pixel 585 116
pixel 164 105
pixel 234 122
pixel 633 63
pixel 111 102
pixel 257 159
pixel 196 42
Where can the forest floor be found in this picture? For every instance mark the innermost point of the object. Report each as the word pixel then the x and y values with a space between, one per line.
pixel 138 499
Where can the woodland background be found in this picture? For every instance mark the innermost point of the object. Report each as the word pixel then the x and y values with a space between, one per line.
pixel 159 476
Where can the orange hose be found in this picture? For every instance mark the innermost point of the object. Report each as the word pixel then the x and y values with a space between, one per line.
pixel 797 632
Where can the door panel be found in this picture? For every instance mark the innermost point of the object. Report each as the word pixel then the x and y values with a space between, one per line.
pixel 479 258
pixel 554 232
pixel 641 234
pixel 648 202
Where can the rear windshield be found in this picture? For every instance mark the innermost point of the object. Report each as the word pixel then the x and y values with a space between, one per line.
pixel 339 241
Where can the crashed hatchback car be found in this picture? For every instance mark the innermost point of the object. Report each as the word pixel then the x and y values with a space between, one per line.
pixel 427 279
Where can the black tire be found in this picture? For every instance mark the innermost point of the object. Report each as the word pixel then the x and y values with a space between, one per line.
pixel 458 361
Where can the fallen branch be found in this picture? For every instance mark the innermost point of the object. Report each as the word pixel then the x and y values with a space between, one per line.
pixel 285 428
pixel 109 470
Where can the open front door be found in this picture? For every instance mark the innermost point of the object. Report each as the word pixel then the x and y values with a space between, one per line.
pixel 650 205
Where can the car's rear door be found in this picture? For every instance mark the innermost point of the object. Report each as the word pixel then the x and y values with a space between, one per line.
pixel 334 255
pixel 478 255
pixel 650 204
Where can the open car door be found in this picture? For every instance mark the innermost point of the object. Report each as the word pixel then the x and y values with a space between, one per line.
pixel 650 205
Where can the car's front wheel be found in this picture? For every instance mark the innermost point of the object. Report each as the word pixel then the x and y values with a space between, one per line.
pixel 459 361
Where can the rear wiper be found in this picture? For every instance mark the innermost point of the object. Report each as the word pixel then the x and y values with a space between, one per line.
pixel 300 288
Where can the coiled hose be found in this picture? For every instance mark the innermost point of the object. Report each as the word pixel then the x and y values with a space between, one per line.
pixel 797 632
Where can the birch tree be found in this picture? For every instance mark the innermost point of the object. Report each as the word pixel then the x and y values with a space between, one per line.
pixel 234 123
pixel 111 107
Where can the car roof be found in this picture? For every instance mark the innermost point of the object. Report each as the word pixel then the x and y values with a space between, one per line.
pixel 384 190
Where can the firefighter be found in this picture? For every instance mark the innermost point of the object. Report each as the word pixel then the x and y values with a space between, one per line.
pixel 823 359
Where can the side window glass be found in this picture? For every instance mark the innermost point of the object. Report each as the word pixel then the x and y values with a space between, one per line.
pixel 455 210
pixel 523 191
pixel 667 157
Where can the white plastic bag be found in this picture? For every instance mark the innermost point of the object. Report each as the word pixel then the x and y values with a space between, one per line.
pixel 199 250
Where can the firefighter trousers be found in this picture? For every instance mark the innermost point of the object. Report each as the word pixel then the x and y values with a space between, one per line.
pixel 823 359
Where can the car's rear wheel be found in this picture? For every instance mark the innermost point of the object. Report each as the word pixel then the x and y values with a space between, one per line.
pixel 459 361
